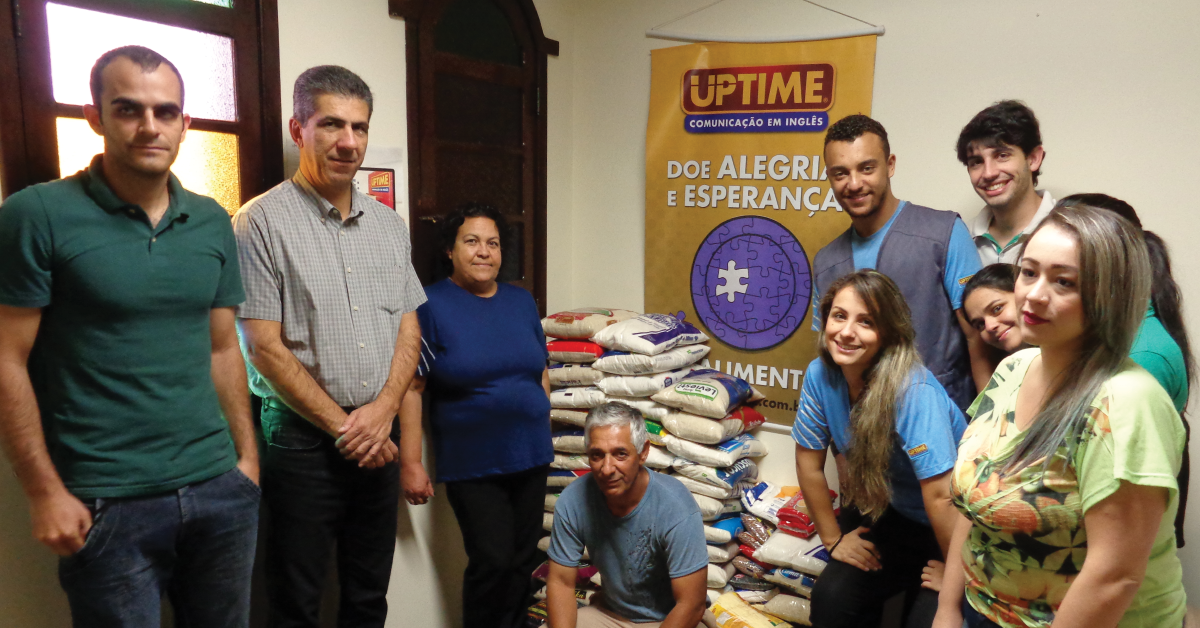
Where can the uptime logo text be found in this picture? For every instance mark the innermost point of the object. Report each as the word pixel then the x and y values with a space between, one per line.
pixel 801 87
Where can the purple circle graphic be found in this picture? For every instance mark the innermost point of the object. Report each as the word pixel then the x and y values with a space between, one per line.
pixel 751 283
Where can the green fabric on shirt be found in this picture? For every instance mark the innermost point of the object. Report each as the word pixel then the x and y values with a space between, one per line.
pixel 122 365
pixel 1156 351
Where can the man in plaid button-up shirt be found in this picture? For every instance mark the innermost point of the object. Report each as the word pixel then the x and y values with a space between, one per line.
pixel 330 332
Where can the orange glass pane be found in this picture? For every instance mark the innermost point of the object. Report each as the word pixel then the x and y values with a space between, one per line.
pixel 207 163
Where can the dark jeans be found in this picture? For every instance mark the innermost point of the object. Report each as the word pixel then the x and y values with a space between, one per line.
pixel 315 498
pixel 196 544
pixel 848 597
pixel 501 521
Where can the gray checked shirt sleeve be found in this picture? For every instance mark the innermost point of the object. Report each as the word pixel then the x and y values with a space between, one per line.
pixel 259 277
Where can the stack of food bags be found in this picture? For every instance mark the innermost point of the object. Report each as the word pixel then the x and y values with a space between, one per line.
pixel 639 355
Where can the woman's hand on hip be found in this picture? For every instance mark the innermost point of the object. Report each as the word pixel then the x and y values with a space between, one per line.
pixel 857 551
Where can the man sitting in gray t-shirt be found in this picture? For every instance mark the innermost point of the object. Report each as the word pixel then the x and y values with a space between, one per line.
pixel 642 530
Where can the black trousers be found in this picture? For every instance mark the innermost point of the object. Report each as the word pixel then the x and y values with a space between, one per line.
pixel 848 597
pixel 316 499
pixel 501 521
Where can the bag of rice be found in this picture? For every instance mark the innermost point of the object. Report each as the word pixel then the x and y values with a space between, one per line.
pixel 743 470
pixel 755 596
pixel 563 477
pixel 649 334
pixel 569 462
pixel 789 608
pixel 654 433
pixel 589 397
pixel 711 509
pixel 719 575
pixel 551 500
pixel 722 553
pixel 649 409
pixel 568 441
pixel 799 583
pixel 709 393
pixel 731 611
pixel 640 385
pixel 582 323
pixel 708 431
pixel 574 351
pixel 723 455
pixel 706 489
pixel 723 530
pixel 566 375
pixel 570 417
pixel 794 519
pixel 548 522
pixel 766 498
pixel 782 549
pixel 659 459
pixel 626 363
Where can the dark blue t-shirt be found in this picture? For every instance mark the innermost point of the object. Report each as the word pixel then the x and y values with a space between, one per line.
pixel 483 359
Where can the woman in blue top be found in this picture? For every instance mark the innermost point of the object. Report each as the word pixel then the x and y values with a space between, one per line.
pixel 869 396
pixel 483 363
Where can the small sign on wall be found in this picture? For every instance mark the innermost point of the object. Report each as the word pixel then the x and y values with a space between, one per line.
pixel 379 183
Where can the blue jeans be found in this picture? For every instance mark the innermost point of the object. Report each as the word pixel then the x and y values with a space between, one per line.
pixel 195 544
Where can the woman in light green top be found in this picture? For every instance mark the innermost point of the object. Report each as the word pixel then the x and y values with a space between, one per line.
pixel 1066 474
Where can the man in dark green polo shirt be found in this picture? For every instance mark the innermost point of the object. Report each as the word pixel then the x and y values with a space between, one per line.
pixel 118 357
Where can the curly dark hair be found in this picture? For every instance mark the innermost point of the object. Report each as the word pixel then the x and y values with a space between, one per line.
pixel 1006 123
pixel 456 218
pixel 853 126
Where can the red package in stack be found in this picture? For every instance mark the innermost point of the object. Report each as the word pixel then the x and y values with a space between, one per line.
pixel 794 519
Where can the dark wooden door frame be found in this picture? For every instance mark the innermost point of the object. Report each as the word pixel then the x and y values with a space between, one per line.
pixel 29 148
pixel 419 44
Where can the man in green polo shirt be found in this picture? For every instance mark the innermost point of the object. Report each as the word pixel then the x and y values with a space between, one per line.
pixel 118 358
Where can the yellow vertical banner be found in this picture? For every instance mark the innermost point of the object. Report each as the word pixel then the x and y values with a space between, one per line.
pixel 737 200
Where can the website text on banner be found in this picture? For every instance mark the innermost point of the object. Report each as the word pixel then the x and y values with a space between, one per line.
pixel 737 201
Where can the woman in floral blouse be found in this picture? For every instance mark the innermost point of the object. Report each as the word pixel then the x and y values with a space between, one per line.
pixel 1066 474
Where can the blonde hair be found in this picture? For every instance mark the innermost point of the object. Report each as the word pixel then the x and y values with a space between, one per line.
pixel 1114 286
pixel 873 416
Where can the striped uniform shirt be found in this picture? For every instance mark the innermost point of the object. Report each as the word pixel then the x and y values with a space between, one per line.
pixel 338 288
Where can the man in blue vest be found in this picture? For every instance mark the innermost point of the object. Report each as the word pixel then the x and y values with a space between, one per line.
pixel 928 253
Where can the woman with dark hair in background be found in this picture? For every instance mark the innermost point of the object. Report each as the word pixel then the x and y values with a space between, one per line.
pixel 483 363
pixel 1161 345
pixel 869 394
pixel 1067 471
pixel 990 308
